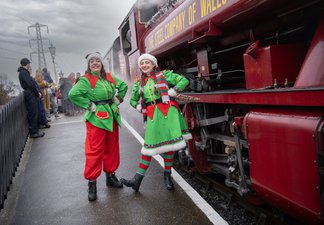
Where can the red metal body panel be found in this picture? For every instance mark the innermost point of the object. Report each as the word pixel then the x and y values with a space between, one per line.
pixel 282 151
pixel 273 64
pixel 312 72
pixel 288 97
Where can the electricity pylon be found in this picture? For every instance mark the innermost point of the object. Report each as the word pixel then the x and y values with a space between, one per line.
pixel 39 41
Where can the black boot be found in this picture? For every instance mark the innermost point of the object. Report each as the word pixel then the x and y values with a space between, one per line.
pixel 135 183
pixel 92 192
pixel 112 181
pixel 168 181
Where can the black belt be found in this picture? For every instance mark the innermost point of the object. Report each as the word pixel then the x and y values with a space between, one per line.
pixel 103 102
pixel 159 100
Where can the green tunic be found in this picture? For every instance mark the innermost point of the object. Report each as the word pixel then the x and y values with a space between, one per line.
pixel 82 93
pixel 163 133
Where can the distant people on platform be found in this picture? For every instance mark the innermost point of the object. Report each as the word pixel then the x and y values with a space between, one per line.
pixel 31 96
pixel 100 93
pixel 51 91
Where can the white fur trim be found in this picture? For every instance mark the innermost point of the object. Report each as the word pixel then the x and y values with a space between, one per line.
pixel 94 55
pixel 172 92
pixel 149 57
pixel 187 136
pixel 139 107
pixel 164 148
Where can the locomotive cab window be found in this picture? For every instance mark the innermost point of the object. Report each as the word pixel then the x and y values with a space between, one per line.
pixel 126 38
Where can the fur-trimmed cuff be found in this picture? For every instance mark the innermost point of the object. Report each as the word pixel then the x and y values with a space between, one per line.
pixel 187 136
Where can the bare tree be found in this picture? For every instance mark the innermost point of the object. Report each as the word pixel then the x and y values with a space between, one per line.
pixel 7 89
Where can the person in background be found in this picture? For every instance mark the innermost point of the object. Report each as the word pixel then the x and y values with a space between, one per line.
pixel 46 76
pixel 71 77
pixel 65 87
pixel 78 76
pixel 31 96
pixel 44 85
pixel 53 98
pixel 42 119
pixel 77 109
pixel 166 129
pixel 100 93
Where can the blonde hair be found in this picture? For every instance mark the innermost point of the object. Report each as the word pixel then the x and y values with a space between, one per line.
pixel 39 76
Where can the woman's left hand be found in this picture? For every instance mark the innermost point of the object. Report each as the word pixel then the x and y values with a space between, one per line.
pixel 116 100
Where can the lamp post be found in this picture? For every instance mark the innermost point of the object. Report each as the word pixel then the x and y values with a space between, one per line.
pixel 52 50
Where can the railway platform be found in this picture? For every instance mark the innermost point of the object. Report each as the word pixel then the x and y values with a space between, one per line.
pixel 49 187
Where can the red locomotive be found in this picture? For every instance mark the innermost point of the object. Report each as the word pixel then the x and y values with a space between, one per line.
pixel 256 71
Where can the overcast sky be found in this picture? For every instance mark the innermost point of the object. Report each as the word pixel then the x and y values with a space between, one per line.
pixel 76 27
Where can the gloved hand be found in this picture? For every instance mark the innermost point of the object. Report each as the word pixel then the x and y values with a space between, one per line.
pixel 139 107
pixel 116 100
pixel 140 90
pixel 92 107
pixel 172 92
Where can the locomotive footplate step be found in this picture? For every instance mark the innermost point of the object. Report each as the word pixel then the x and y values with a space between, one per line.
pixel 51 189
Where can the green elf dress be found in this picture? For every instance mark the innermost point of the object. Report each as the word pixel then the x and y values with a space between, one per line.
pixel 166 128
pixel 91 87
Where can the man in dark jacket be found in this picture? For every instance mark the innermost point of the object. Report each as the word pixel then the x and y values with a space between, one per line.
pixel 47 76
pixel 31 96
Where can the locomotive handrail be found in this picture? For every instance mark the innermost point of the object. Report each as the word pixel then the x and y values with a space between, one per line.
pixel 279 96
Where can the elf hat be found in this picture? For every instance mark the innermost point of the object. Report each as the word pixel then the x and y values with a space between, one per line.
pixel 148 57
pixel 93 55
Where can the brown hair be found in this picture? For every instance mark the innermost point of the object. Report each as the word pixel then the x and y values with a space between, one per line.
pixel 143 75
pixel 102 71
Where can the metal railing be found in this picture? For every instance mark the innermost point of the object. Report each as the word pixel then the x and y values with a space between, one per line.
pixel 13 136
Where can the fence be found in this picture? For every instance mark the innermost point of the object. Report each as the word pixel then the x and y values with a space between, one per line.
pixel 13 137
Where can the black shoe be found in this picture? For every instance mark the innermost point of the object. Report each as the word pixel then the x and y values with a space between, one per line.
pixel 37 135
pixel 43 126
pixel 168 181
pixel 92 191
pixel 112 181
pixel 135 183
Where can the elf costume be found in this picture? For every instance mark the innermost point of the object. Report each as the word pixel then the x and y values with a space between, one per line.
pixel 102 139
pixel 166 129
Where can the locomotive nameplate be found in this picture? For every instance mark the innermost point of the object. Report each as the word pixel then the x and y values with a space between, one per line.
pixel 189 15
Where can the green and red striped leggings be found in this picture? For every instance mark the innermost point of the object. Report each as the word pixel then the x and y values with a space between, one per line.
pixel 146 160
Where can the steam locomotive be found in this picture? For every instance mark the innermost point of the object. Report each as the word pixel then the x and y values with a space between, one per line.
pixel 255 102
